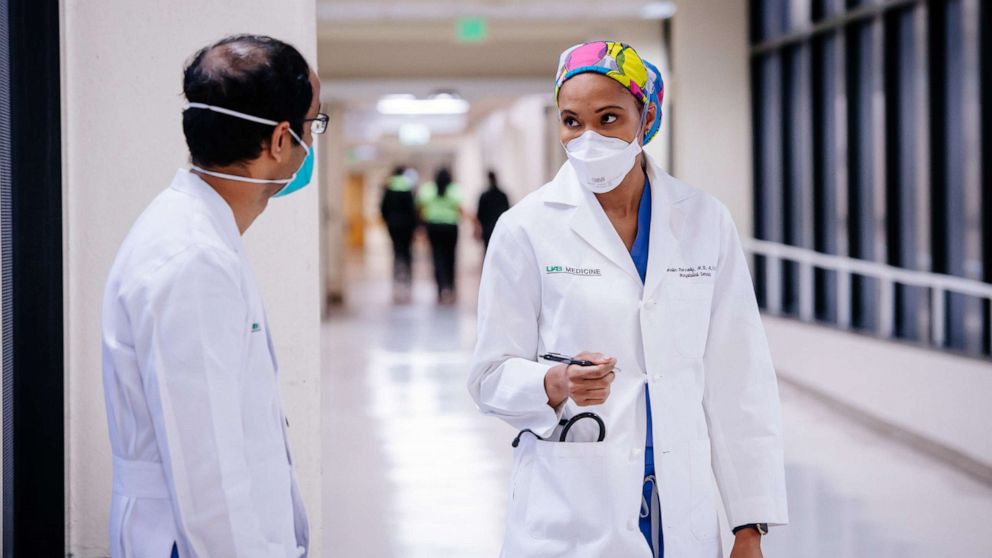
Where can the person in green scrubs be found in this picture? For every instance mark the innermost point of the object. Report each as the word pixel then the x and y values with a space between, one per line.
pixel 440 210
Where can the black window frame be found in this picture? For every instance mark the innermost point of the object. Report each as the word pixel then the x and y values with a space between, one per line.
pixel 32 300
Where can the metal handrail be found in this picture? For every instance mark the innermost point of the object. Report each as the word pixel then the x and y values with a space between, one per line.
pixel 887 275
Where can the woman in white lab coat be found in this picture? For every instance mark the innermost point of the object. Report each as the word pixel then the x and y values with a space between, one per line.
pixel 617 263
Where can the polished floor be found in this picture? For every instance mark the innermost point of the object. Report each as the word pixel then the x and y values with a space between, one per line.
pixel 412 470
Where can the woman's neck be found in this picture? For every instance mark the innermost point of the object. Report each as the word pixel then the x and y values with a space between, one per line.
pixel 625 199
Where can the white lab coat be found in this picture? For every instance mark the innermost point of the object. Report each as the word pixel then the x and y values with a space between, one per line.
pixel 196 423
pixel 558 278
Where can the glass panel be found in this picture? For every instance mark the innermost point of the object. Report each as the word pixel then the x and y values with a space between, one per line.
pixel 861 73
pixel 797 171
pixel 826 91
pixel 901 69
pixel 768 158
pixel 986 102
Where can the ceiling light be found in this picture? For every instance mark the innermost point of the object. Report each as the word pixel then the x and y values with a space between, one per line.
pixel 414 134
pixel 658 10
pixel 409 105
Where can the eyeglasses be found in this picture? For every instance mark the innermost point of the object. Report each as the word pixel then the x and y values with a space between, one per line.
pixel 318 125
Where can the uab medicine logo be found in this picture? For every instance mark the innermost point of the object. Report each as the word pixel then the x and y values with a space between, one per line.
pixel 581 271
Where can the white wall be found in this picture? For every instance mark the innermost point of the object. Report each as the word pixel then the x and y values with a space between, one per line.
pixel 940 397
pixel 333 164
pixel 649 44
pixel 122 69
pixel 511 141
pixel 711 92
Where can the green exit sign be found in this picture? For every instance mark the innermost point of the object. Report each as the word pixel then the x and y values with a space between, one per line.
pixel 470 30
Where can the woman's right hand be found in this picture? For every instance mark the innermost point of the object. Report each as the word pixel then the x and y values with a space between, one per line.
pixel 586 385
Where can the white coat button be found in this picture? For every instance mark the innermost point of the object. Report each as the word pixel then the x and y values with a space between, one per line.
pixel 636 453
pixel 632 525
pixel 649 302
pixel 657 377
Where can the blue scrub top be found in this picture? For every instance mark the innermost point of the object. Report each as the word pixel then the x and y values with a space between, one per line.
pixel 639 253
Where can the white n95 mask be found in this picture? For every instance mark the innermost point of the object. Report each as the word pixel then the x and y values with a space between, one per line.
pixel 601 162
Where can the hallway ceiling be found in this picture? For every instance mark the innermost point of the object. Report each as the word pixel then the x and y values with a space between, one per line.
pixel 416 39
pixel 371 48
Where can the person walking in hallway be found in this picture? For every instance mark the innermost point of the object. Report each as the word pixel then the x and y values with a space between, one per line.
pixel 619 296
pixel 492 203
pixel 399 211
pixel 201 462
pixel 440 209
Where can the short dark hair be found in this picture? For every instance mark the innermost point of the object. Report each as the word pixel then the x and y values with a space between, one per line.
pixel 253 74
pixel 442 180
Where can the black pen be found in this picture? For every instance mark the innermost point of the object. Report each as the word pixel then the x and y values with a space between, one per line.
pixel 564 359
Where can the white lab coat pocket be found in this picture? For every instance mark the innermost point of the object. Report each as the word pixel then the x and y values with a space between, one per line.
pixel 272 496
pixel 703 519
pixel 568 498
pixel 689 307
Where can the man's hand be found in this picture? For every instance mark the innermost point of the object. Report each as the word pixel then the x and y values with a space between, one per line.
pixel 747 544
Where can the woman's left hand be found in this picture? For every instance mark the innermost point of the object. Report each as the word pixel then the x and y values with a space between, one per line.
pixel 747 544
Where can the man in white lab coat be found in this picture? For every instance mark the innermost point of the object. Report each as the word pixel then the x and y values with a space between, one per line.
pixel 201 463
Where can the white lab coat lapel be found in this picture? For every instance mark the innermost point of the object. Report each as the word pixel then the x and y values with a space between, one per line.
pixel 589 221
pixel 665 215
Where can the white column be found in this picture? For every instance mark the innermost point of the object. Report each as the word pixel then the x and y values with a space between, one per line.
pixel 332 151
pixel 122 64
pixel 711 94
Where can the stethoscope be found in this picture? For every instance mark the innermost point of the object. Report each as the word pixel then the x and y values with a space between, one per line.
pixel 566 425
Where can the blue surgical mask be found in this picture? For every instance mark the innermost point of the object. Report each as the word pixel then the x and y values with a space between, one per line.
pixel 299 180
pixel 302 176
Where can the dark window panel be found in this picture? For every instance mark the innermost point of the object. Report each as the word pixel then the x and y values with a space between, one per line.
pixel 901 162
pixel 754 20
pixel 824 90
pixel 768 158
pixel 821 9
pixel 861 177
pixel 757 174
pixel 790 171
pixel 986 103
pixel 769 19
pixel 949 179
pixel 797 220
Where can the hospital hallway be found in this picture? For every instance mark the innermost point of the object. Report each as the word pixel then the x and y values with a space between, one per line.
pixel 411 469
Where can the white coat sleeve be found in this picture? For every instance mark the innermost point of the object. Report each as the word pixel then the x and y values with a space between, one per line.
pixel 191 319
pixel 506 380
pixel 741 396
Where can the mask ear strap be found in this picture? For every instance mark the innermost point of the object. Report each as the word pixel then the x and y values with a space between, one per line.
pixel 299 139
pixel 641 133
pixel 233 113
pixel 640 126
